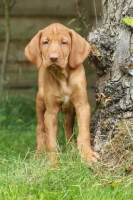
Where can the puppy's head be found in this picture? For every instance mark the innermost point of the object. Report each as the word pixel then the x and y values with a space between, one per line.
pixel 57 45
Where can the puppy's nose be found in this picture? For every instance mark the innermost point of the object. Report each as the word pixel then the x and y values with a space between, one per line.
pixel 54 57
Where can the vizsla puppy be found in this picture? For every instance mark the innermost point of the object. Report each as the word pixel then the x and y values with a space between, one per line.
pixel 59 52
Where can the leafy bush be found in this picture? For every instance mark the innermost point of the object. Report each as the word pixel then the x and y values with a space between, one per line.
pixel 16 112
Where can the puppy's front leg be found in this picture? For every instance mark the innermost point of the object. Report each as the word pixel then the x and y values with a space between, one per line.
pixel 83 140
pixel 51 127
pixel 40 131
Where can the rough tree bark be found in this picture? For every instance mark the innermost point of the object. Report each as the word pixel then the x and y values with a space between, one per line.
pixel 112 122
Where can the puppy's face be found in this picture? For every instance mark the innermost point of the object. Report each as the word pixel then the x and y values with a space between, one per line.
pixel 55 48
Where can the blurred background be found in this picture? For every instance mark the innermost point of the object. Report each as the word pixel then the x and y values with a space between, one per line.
pixel 26 19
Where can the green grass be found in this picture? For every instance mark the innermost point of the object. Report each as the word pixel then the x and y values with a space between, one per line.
pixel 24 178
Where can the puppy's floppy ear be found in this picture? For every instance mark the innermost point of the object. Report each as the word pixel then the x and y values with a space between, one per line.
pixel 80 49
pixel 32 50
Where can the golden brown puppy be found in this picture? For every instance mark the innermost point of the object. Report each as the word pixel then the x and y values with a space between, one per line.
pixel 59 52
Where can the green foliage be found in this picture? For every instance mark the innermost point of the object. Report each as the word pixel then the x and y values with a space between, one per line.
pixel 78 29
pixel 71 21
pixel 128 21
pixel 131 49
pixel 16 112
pixel 81 17
pixel 17 125
pixel 23 177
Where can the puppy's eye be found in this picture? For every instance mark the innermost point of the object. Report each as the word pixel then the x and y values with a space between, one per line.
pixel 63 42
pixel 45 42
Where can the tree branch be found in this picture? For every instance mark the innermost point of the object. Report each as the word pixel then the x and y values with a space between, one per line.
pixel 95 11
pixel 81 14
pixel 6 48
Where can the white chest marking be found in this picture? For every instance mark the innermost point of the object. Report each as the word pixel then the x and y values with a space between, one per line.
pixel 65 99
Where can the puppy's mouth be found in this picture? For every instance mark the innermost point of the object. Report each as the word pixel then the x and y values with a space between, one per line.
pixel 54 67
pixel 57 72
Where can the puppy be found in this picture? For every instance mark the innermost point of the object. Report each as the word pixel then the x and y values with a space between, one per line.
pixel 59 52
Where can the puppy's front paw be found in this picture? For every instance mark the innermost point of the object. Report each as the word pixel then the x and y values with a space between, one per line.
pixel 93 157
pixel 90 156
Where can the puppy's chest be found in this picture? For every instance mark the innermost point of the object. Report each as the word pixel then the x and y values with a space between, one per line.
pixel 64 103
pixel 65 93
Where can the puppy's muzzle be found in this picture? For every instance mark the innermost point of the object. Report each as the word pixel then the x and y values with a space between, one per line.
pixel 54 57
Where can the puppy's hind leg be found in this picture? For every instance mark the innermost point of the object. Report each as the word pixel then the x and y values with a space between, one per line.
pixel 69 122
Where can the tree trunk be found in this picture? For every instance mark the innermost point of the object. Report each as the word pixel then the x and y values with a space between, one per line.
pixel 112 122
